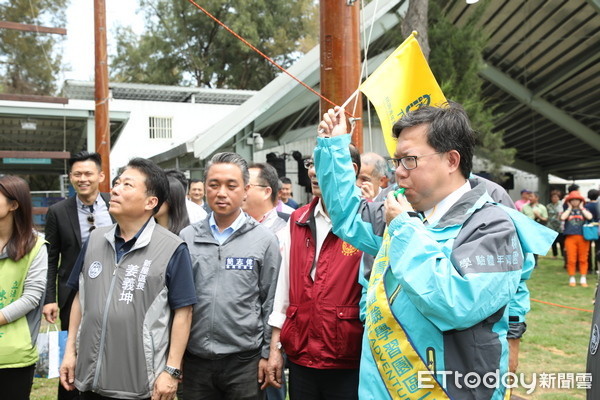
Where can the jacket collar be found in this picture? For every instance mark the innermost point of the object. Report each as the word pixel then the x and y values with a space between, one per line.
pixel 307 214
pixel 469 202
pixel 203 234
pixel 143 235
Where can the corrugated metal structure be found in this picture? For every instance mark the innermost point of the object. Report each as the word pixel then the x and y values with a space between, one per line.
pixel 61 128
pixel 83 90
pixel 27 128
pixel 542 74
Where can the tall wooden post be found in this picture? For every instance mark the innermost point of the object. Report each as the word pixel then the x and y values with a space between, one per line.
pixel 340 58
pixel 101 72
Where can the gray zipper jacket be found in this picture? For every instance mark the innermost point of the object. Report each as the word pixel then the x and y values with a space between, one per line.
pixel 235 285
pixel 125 327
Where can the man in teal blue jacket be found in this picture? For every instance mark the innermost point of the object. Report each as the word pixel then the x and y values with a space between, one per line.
pixel 449 278
pixel 365 227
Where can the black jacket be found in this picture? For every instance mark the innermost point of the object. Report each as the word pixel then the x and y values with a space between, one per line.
pixel 64 235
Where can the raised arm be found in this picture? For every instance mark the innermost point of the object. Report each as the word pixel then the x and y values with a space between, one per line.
pixel 354 219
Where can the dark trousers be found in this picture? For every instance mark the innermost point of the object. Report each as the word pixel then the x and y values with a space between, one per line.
pixel 64 313
pixel 322 384
pixel 560 240
pixel 96 396
pixel 16 382
pixel 233 377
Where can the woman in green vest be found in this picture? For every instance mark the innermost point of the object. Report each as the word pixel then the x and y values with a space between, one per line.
pixel 23 269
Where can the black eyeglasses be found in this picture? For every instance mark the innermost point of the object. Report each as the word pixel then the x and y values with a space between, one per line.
pixel 308 163
pixel 408 162
pixel 91 219
pixel 255 184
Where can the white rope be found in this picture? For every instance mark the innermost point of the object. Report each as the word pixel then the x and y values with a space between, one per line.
pixel 364 69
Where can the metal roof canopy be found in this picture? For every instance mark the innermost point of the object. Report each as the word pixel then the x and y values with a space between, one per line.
pixel 61 129
pixel 542 75
pixel 84 90
pixel 57 129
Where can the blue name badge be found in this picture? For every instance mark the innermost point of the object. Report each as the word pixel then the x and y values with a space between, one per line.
pixel 239 263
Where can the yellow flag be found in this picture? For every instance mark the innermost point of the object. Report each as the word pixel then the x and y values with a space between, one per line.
pixel 403 82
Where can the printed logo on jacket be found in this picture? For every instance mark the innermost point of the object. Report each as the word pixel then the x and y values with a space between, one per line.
pixel 239 263
pixel 348 249
pixel 95 269
pixel 135 279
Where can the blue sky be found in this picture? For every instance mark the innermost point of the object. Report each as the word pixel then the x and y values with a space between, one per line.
pixel 78 48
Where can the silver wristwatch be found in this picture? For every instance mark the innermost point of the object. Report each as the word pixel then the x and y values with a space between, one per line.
pixel 174 372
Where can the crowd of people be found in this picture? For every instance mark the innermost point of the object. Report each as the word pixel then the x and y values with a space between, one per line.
pixel 567 217
pixel 212 288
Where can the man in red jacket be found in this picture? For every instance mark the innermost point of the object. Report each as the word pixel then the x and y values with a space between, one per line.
pixel 315 315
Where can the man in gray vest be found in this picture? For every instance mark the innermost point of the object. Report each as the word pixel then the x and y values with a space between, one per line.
pixel 68 225
pixel 131 316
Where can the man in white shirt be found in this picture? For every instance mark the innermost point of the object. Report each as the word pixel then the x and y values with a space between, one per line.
pixel 317 292
pixel 260 202
pixel 196 192
pixel 372 176
pixel 262 196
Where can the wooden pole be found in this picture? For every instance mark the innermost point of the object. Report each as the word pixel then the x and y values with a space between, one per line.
pixel 101 72
pixel 340 58
pixel 55 155
pixel 31 28
pixel 33 97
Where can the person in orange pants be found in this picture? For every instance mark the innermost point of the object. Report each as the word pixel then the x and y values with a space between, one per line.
pixel 577 247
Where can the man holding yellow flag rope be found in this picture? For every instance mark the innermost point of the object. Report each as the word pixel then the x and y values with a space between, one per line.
pixel 437 297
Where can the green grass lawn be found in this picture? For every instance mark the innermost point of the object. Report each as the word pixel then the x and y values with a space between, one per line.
pixel 44 389
pixel 556 340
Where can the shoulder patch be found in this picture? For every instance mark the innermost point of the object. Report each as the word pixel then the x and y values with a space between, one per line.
pixel 95 269
pixel 348 249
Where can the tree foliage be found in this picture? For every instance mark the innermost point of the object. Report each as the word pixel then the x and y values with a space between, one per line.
pixel 416 20
pixel 29 63
pixel 456 59
pixel 182 46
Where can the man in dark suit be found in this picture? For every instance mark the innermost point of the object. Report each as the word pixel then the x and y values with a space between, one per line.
pixel 68 224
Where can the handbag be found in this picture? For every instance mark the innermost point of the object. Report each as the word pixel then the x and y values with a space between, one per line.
pixel 590 231
pixel 51 349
